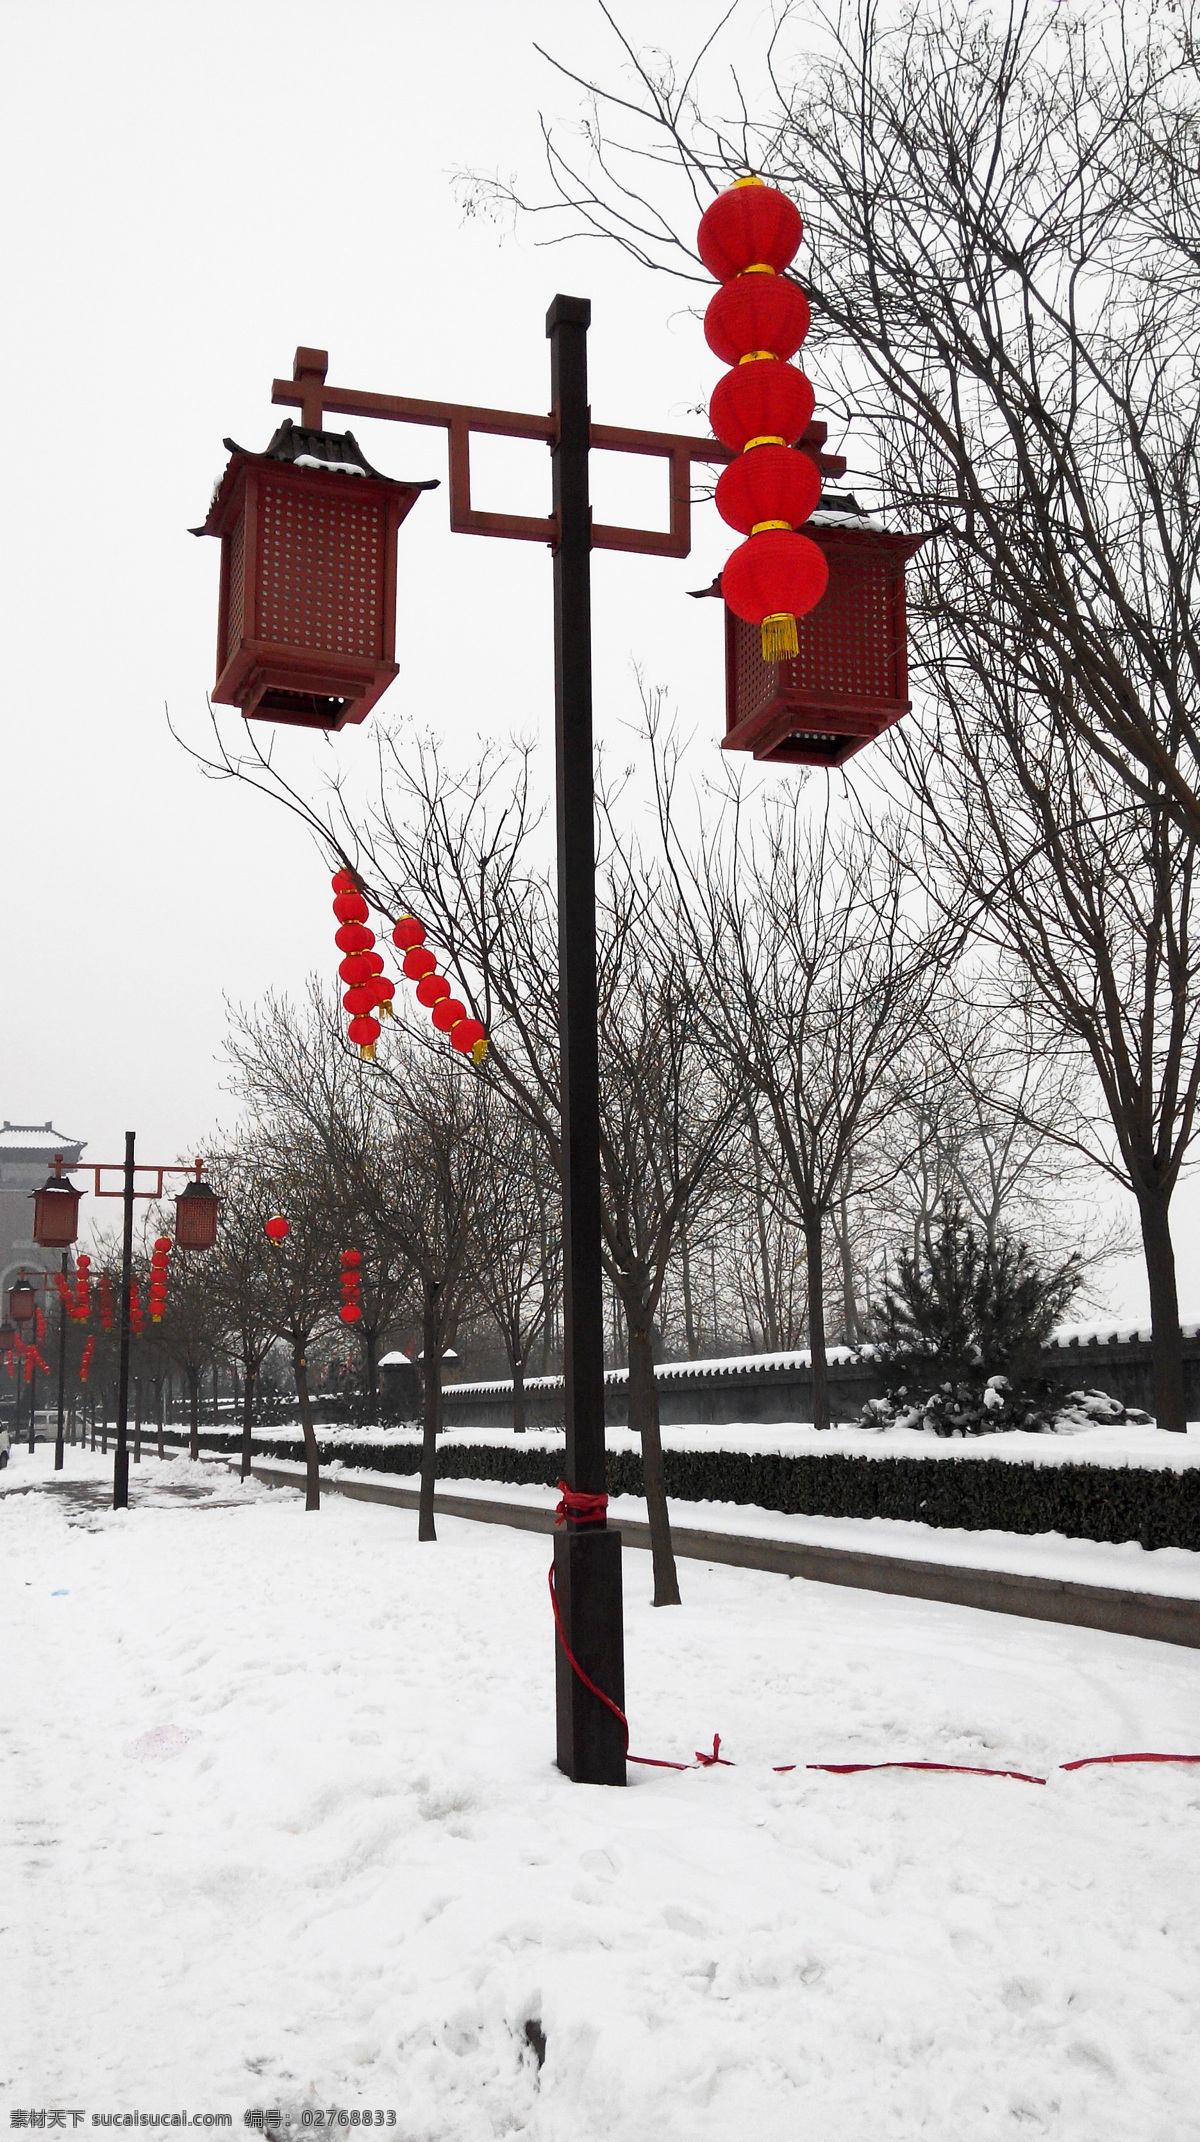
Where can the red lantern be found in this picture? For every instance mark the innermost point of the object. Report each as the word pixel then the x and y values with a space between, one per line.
pixel 364 1033
pixel 751 225
pixel 350 1313
pixel 768 402
pixel 344 881
pixel 351 907
pixel 135 1309
pixel 86 1362
pixel 771 483
pixel 351 1259
pixel 771 580
pixel 468 1036
pixel 447 1014
pixel 419 963
pixel 756 316
pixel 408 932
pixel 431 989
pixel 360 999
pixel 106 1302
pixel 354 937
pixel 356 967
pixel 196 1210
pixel 307 631
pixel 276 1229
pixel 384 990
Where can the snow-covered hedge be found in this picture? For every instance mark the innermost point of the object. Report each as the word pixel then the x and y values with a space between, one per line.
pixel 1156 1507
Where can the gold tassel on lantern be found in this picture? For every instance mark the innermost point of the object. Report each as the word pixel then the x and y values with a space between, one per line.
pixel 366 1049
pixel 779 641
pixel 479 1050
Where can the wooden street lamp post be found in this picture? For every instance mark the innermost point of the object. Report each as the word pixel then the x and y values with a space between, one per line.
pixel 196 1210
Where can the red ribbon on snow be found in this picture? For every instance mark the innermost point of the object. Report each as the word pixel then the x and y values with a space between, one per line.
pixel 1084 1762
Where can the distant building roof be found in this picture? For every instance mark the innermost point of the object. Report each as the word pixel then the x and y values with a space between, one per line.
pixel 398 1359
pixel 35 1138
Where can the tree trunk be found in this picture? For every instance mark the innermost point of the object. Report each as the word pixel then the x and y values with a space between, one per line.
pixel 849 1300
pixel 247 1419
pixel 816 1323
pixel 312 1457
pixel 369 1409
pixel 193 1379
pixel 770 1312
pixel 644 1422
pixel 1166 1341
pixel 518 1369
pixel 431 1389
pixel 160 1408
pixel 689 1319
pixel 104 1425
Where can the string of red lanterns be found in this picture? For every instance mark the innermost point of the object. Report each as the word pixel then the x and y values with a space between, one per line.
pixel 448 1013
pixel 351 1309
pixel 83 1299
pixel 86 1362
pixel 106 1302
pixel 361 965
pixel 136 1318
pixel 158 1277
pixel 755 324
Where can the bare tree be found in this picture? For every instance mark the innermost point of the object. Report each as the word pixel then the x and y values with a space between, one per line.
pixel 1001 212
pixel 820 971
pixel 518 1224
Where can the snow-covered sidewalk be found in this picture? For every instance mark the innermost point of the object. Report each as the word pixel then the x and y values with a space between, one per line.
pixel 283 1831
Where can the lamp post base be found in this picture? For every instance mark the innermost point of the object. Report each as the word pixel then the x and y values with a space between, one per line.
pixel 587 1589
pixel 120 1499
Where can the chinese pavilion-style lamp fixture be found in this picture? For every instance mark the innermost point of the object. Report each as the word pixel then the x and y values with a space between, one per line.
pixel 22 1303
pixel 196 1210
pixel 56 1211
pixel 848 680
pixel 307 627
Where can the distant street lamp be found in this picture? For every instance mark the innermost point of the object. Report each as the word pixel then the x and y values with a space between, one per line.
pixel 196 1210
pixel 56 1226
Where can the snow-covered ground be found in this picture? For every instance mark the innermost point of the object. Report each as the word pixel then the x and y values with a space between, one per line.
pixel 283 1832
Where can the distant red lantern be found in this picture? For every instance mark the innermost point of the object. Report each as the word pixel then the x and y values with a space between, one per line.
pixel 56 1211
pixel 307 632
pixel 196 1210
pixel 351 1259
pixel 277 1229
pixel 350 1312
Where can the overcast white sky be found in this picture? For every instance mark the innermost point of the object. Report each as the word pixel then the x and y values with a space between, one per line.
pixel 190 191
